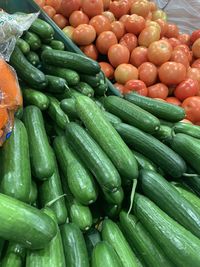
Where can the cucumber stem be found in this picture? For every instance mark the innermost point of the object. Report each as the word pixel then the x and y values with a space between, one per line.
pixel 191 175
pixel 50 203
pixel 132 195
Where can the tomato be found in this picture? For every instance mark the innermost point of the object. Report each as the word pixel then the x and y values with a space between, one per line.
pixel 120 87
pixel 186 121
pixel 78 17
pixel 184 38
pixel 138 56
pixel 129 40
pixel 194 36
pixel 84 34
pixel 172 31
pixel 104 41
pixel 118 28
pixel 60 20
pixel 192 108
pixel 106 4
pixel 159 14
pixel 149 35
pixel 119 8
pixel 186 88
pixel 49 10
pixel 107 69
pixel 173 100
pixel 134 24
pixel 136 85
pixel 100 23
pixel 172 73
pixel 159 52
pixel 68 30
pixel 153 6
pixel 152 23
pixel 174 42
pixel 92 7
pixel 40 3
pixel 180 57
pixel 158 90
pixel 163 26
pixel 109 15
pixel 54 3
pixel 141 8
pixel 148 73
pixel 196 48
pixel 124 18
pixel 118 54
pixel 185 49
pixel 194 73
pixel 125 72
pixel 90 51
pixel 68 6
pixel 196 63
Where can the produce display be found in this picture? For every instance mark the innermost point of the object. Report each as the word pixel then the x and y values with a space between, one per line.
pixel 94 179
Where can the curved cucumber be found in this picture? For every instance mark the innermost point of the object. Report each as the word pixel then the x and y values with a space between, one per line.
pixel 57 45
pixel 56 85
pixel 23 46
pixel 36 98
pixel 42 28
pixel 33 40
pixel 33 58
pixel 144 162
pixel 187 128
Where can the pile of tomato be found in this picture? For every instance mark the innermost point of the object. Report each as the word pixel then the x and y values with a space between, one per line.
pixel 137 48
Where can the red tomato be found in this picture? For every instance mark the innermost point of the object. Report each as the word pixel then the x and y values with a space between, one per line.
pixel 78 17
pixel 192 108
pixel 100 23
pixel 109 15
pixel 163 26
pixel 149 35
pixel 118 28
pixel 106 4
pixel 125 72
pixel 173 100
pixel 68 6
pixel 159 14
pixel 60 20
pixel 148 73
pixel 129 40
pixel 92 7
pixel 138 56
pixel 196 63
pixel 194 73
pixel 118 54
pixel 124 18
pixel 196 48
pixel 119 8
pixel 104 41
pixel 84 34
pixel 49 10
pixel 158 90
pixel 194 36
pixel 141 8
pixel 172 31
pixel 120 87
pixel 107 69
pixel 134 24
pixel 186 88
pixel 172 73
pixel 184 38
pixel 90 51
pixel 136 85
pixel 159 52
pixel 174 42
pixel 54 3
pixel 40 3
pixel 180 57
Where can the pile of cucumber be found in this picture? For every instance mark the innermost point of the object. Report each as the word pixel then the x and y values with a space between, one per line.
pixel 89 179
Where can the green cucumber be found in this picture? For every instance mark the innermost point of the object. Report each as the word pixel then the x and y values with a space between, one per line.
pixel 15 164
pixel 92 80
pixel 56 85
pixel 107 137
pixel 132 114
pixel 114 198
pixel 101 89
pixel 111 210
pixel 33 193
pixel 113 235
pixel 68 93
pixel 70 60
pixel 33 58
pixel 180 245
pixel 92 237
pixel 42 28
pixel 144 162
pixel 33 40
pixel 112 118
pixel 112 90
pixel 193 183
pixel 69 107
pixel 166 123
pixel 2 243
pixel 23 46
pixel 93 157
pixel 74 246
pixel 42 162
pixel 158 108
pixel 57 45
pixel 163 156
pixel 84 89
pixel 58 131
pixel 187 128
pixel 47 41
pixel 142 242
pixel 45 47
pixel 19 113
pixel 164 134
pixel 36 98
pixel 14 256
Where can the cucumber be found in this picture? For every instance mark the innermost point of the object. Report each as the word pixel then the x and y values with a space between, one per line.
pixel 33 58
pixel 47 41
pixel 112 118
pixel 132 114
pixel 180 245
pixel 2 243
pixel 58 131
pixel 23 46
pixel 158 108
pixel 42 28
pixel 33 40
pixel 52 254
pixel 26 71
pixel 71 60
pixel 93 157
pixel 187 128
pixel 45 47
pixel 84 89
pixel 13 256
pixel 42 161
pixel 166 123
pixel 164 134
pixel 163 156
pixel 74 246
pixel 113 235
pixel 33 193
pixel 31 227
pixel 57 45
pixel 68 93
pixel 189 148
pixel 92 80
pixel 104 255
pixel 112 90
pixel 80 181
pixel 111 210
pixel 102 88
pixel 56 85
pixel 92 237
pixel 15 164
pixel 19 113
pixel 193 183
pixel 114 198
pixel 36 98
pixel 69 107
pixel 140 240
pixel 107 137
pixel 144 162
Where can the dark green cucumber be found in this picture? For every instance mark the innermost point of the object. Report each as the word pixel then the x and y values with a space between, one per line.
pixel 19 113
pixel 33 58
pixel 112 90
pixel 163 156
pixel 26 71
pixel 57 45
pixel 101 89
pixel 104 255
pixel 107 137
pixel 158 108
pixel 33 193
pixel 33 40
pixel 187 128
pixel 93 157
pixel 23 46
pixel 42 28
pixel 164 134
pixel 111 210
pixel 36 98
pixel 2 243
pixel 15 164
pixel 193 183
pixel 189 148
pixel 84 89
pixel 144 162
pixel 31 227
pixel 69 107
pixel 74 246
pixel 42 161
pixel 132 114
pixel 140 240
pixel 71 60
pixel 92 80
pixel 166 123
pixel 114 198
pixel 56 85
pixel 80 181
pixel 92 237
pixel 113 235
pixel 68 93
pixel 45 47
pixel 180 245
pixel 58 131
pixel 52 254
pixel 112 118
pixel 47 41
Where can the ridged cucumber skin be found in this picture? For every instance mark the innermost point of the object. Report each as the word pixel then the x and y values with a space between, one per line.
pixel 107 137
pixel 84 89
pixel 187 128
pixel 33 58
pixel 68 106
pixel 144 162
pixel 15 164
pixel 36 98
pixel 193 183
pixel 163 156
pixel 164 134
pixel 42 28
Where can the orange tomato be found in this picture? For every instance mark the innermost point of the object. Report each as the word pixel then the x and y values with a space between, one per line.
pixel 148 73
pixel 118 28
pixel 134 24
pixel 68 6
pixel 173 100
pixel 129 40
pixel 49 10
pixel 124 18
pixel 174 42
pixel 138 56
pixel 196 48
pixel 119 87
pixel 119 8
pixel 100 23
pixel 172 31
pixel 40 3
pixel 149 35
pixel 107 69
pixel 68 30
pixel 109 15
pixel 152 23
pixel 141 8
pixel 153 6
pixel 192 108
pixel 184 38
pixel 78 17
pixel 118 54
pixel 163 26
pixel 90 51
pixel 106 4
pixel 92 7
pixel 158 90
pixel 104 41
pixel 196 63
pixel 60 20
pixel 54 3
pixel 159 52
pixel 194 73
pixel 3 118
pixel 159 14
pixel 181 57
pixel 125 72
pixel 84 34
pixel 172 73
